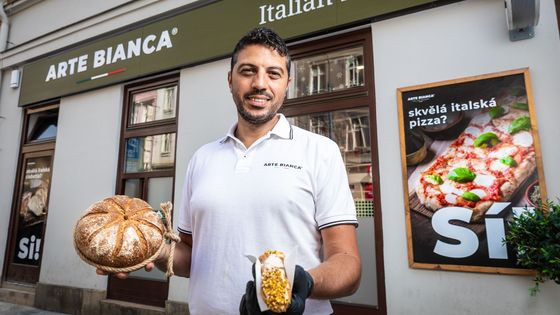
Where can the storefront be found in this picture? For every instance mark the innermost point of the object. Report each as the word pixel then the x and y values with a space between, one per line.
pixel 103 110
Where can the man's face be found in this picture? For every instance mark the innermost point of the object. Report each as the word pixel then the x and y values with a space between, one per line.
pixel 258 83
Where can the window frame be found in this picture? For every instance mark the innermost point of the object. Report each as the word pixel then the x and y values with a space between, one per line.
pixel 557 3
pixel 157 291
pixel 152 128
pixel 343 99
pixel 14 272
pixel 353 97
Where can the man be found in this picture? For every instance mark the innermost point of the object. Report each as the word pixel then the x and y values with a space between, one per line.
pixel 265 185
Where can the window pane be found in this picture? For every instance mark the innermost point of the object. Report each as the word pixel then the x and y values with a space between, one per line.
pixel 160 189
pixel 350 130
pixel 150 153
pixel 133 188
pixel 327 72
pixel 42 125
pixel 153 105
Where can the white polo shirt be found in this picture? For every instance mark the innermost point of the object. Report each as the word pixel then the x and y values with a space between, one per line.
pixel 277 194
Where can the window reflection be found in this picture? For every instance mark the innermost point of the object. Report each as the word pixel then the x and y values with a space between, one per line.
pixel 150 153
pixel 153 105
pixel 42 125
pixel 350 130
pixel 327 72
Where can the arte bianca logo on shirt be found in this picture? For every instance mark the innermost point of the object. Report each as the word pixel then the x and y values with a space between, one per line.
pixel 283 165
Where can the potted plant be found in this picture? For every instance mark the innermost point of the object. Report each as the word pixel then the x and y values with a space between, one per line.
pixel 535 235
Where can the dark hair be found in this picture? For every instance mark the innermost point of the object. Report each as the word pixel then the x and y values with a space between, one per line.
pixel 265 37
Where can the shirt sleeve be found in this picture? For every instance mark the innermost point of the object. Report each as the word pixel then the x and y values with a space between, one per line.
pixel 334 204
pixel 185 217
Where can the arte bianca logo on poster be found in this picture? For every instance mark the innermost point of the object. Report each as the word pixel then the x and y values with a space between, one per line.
pixel 147 45
pixel 420 98
pixel 271 13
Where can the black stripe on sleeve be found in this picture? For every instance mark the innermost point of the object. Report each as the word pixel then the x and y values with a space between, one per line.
pixel 341 222
pixel 184 231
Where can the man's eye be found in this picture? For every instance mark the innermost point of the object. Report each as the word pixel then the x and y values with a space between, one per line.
pixel 275 75
pixel 246 71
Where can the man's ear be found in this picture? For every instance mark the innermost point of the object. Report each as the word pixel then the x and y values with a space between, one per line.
pixel 229 79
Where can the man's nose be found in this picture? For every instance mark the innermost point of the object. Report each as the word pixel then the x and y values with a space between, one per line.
pixel 259 81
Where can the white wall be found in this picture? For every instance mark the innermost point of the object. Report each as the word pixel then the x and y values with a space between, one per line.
pixel 51 15
pixel 206 111
pixel 84 171
pixel 27 41
pixel 463 39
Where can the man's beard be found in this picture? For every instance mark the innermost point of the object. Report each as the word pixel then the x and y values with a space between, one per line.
pixel 256 119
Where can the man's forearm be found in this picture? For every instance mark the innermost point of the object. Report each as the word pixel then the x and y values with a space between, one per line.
pixel 181 258
pixel 337 277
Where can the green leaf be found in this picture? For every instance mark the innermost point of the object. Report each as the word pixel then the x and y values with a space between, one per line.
pixel 434 179
pixel 509 161
pixel 461 175
pixel 467 195
pixel 521 123
pixel 496 112
pixel 487 139
pixel 523 106
pixel 535 236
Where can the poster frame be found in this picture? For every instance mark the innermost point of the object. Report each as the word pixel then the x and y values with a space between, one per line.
pixel 405 178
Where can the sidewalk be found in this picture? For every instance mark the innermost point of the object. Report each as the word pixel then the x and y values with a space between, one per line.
pixel 15 309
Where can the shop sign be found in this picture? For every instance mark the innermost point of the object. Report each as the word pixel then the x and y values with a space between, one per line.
pixel 201 31
pixel 33 210
pixel 471 161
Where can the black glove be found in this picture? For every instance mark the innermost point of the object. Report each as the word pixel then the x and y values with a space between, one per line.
pixel 303 285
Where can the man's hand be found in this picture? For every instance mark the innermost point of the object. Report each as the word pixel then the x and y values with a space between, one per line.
pixel 301 290
pixel 303 285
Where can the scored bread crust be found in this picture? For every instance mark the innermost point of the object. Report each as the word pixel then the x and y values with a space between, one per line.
pixel 119 232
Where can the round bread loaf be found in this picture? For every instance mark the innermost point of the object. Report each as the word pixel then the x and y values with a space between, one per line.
pixel 119 232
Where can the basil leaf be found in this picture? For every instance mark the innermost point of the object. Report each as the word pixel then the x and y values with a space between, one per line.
pixel 434 179
pixel 521 123
pixel 470 196
pixel 487 139
pixel 523 106
pixel 509 161
pixel 496 112
pixel 461 175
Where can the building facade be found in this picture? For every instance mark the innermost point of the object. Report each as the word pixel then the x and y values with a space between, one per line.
pixel 115 97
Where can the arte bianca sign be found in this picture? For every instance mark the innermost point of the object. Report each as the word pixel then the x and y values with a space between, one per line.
pixel 271 13
pixel 146 45
pixel 182 37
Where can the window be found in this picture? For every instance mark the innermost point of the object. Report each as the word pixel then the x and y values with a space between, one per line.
pixel 331 94
pixel 327 72
pixel 147 171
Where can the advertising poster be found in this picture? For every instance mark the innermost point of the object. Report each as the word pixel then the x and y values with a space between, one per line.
pixel 33 210
pixel 471 161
